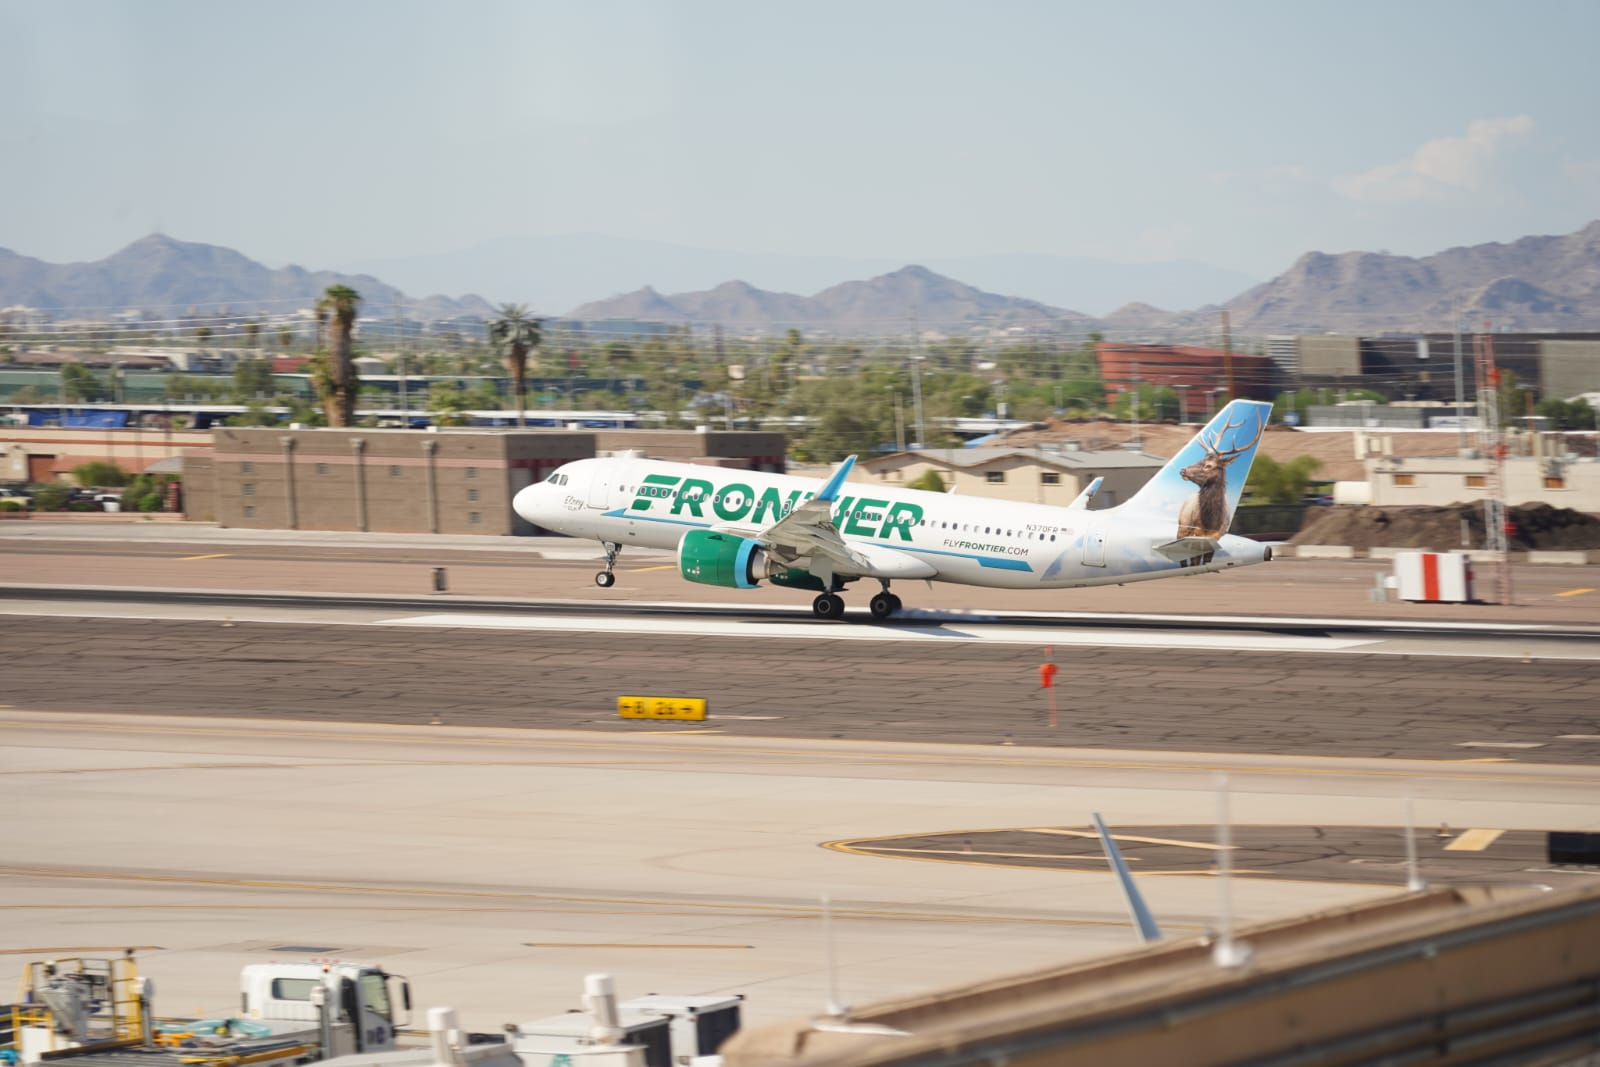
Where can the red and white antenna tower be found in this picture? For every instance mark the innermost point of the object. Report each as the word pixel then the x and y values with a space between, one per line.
pixel 1492 445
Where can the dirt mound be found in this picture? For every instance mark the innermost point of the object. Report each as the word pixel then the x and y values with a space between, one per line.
pixel 1535 526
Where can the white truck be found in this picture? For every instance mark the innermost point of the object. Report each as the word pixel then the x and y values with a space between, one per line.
pixel 97 1013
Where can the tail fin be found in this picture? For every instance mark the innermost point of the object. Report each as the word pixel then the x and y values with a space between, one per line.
pixel 1200 486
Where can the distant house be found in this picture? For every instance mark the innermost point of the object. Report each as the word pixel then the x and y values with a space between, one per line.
pixel 1053 474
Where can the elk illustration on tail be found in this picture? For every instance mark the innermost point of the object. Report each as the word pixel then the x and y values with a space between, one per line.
pixel 1206 513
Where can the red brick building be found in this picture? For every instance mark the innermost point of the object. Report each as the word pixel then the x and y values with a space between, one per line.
pixel 1189 369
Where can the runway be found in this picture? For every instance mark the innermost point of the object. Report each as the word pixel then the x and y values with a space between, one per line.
pixel 334 758
pixel 1314 687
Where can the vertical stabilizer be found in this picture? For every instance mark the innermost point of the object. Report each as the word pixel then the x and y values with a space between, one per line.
pixel 1199 488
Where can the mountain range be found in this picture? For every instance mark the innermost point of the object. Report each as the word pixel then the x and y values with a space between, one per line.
pixel 1531 283
pixel 888 304
pixel 1535 283
pixel 561 271
pixel 159 272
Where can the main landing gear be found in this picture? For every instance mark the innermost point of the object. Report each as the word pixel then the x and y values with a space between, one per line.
pixel 828 606
pixel 831 605
pixel 605 579
pixel 884 605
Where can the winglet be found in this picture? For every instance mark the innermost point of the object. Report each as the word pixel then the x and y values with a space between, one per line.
pixel 1081 501
pixel 831 491
pixel 1143 921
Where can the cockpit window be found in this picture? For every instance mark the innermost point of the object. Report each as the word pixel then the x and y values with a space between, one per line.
pixel 552 478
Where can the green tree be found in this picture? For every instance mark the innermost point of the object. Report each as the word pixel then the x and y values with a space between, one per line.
pixel 99 473
pixel 447 404
pixel 300 410
pixel 929 480
pixel 1281 483
pixel 256 413
pixel 79 385
pixel 50 496
pixel 32 394
pixel 252 379
pixel 1567 415
pixel 514 334
pixel 485 394
pixel 333 374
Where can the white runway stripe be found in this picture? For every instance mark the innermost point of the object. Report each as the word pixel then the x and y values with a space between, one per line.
pixel 933 632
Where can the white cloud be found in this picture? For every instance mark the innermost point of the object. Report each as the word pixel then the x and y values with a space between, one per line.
pixel 1439 166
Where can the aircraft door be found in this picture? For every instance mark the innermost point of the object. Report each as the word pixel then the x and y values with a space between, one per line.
pixel 599 489
pixel 1094 546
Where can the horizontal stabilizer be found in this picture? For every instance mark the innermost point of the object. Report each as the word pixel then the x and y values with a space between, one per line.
pixel 1188 547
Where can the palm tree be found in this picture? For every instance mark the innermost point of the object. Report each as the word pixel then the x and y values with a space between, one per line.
pixel 516 333
pixel 336 380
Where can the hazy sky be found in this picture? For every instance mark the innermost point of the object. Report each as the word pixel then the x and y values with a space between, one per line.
pixel 1234 132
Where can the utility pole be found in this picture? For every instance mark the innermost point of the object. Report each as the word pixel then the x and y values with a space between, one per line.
pixel 1227 353
pixel 1135 405
pixel 916 380
pixel 1495 516
pixel 400 356
pixel 1461 409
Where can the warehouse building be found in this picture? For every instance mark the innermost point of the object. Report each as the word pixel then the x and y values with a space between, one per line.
pixel 455 481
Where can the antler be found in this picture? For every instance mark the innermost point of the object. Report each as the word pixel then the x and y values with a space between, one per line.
pixel 1237 450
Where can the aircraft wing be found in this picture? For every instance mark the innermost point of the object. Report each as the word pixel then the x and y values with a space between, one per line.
pixel 808 538
pixel 808 530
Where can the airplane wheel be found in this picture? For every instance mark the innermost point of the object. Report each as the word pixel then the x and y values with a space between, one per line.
pixel 828 606
pixel 884 605
pixel 605 579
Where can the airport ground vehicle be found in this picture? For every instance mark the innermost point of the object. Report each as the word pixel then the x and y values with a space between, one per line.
pixel 97 1013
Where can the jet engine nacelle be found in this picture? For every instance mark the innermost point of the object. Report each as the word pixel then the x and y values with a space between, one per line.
pixel 727 560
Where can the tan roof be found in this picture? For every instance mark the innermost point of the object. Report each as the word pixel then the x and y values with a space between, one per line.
pixel 1336 449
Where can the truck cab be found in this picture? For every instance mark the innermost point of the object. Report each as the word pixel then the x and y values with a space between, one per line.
pixel 358 1008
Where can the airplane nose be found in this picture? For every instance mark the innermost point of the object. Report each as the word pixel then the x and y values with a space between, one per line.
pixel 526 502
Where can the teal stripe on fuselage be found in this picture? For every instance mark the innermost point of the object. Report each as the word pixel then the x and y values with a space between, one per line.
pixel 991 562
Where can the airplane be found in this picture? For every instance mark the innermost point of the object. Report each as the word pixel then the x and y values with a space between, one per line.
pixel 736 529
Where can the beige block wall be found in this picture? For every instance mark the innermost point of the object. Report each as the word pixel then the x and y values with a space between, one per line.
pixel 1436 482
pixel 1024 479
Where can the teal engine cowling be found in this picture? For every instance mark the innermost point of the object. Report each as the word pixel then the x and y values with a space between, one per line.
pixel 721 559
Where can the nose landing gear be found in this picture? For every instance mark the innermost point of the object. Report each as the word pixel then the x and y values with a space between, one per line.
pixel 605 579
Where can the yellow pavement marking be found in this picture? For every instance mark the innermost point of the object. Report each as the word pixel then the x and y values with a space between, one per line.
pixel 1474 841
pixel 1129 837
pixel 646 570
pixel 679 733
pixel 1575 592
pixel 692 907
pixel 621 944
pixel 60 949
pixel 214 555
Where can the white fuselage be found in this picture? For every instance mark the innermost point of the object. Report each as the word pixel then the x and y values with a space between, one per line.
pixel 967 540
